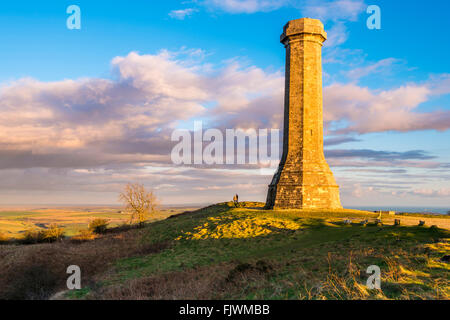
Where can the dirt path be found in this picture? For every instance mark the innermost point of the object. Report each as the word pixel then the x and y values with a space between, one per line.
pixel 59 295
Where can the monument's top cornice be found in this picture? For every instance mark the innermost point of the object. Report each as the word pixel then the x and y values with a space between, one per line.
pixel 303 26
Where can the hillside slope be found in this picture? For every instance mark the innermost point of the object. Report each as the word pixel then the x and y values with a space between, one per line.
pixel 222 252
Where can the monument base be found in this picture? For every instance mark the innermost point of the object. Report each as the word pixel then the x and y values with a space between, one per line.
pixel 295 188
pixel 288 196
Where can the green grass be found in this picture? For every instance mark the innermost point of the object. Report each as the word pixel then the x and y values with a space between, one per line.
pixel 78 294
pixel 322 259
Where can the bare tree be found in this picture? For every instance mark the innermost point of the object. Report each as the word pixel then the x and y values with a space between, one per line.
pixel 138 201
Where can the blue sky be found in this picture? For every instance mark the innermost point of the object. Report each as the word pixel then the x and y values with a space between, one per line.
pixel 73 130
pixel 36 30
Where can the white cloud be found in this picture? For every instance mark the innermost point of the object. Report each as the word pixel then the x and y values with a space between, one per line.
pixel 182 13
pixel 440 84
pixel 152 93
pixel 429 192
pixel 75 137
pixel 336 10
pixel 379 66
pixel 337 35
pixel 245 6
pixel 319 9
pixel 128 119
pixel 389 110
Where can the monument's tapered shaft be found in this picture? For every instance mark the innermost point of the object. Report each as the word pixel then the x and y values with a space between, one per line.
pixel 303 179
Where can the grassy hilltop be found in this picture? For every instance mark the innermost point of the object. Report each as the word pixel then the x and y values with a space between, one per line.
pixel 222 252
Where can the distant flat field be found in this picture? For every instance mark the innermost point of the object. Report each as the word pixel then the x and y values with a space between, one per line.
pixel 14 221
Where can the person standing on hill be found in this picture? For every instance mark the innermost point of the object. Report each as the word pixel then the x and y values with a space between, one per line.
pixel 236 200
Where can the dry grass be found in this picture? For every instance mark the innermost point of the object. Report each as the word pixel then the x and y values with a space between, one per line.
pixel 193 284
pixel 322 259
pixel 38 271
pixel 214 282
pixel 13 222
pixel 84 235
pixel 3 237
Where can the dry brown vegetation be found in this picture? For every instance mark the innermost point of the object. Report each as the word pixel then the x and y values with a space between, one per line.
pixel 98 225
pixel 322 259
pixel 37 271
pixel 14 222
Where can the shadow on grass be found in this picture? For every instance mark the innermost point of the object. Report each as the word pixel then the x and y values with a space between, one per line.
pixel 314 234
pixel 153 252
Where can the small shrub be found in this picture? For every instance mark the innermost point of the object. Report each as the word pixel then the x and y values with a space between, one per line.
pixel 84 235
pixel 123 227
pixel 32 236
pixel 261 267
pixel 3 238
pixel 53 233
pixel 434 228
pixel 98 226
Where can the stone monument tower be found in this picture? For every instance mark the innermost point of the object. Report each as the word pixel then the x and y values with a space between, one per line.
pixel 303 179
